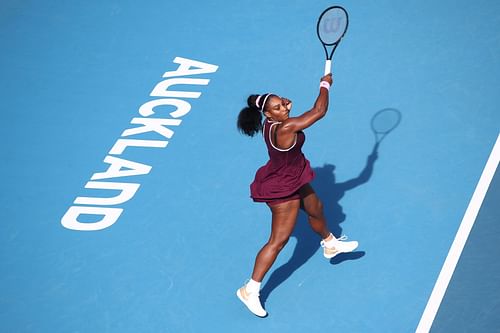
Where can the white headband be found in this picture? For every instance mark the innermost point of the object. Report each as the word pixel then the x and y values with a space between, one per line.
pixel 257 101
pixel 261 108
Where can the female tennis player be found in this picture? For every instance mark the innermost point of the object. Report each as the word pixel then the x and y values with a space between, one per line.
pixel 283 183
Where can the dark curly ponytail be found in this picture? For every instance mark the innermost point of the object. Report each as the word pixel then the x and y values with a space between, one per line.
pixel 250 117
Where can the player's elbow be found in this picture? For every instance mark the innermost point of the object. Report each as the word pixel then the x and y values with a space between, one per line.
pixel 321 111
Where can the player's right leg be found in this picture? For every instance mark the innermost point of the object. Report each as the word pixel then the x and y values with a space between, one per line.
pixel 313 206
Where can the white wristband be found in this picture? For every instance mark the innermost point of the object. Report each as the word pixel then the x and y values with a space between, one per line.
pixel 325 85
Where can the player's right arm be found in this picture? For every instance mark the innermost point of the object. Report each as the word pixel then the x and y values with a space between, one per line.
pixel 318 111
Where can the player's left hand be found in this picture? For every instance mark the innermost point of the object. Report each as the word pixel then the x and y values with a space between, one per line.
pixel 286 103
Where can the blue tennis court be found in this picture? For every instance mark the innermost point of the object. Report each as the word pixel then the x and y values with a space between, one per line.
pixel 125 204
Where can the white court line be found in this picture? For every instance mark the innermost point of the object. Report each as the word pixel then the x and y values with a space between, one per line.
pixel 458 244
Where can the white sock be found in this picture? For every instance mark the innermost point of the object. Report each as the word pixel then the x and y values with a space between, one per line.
pixel 331 242
pixel 253 286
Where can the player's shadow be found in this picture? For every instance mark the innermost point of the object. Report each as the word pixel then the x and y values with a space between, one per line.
pixel 330 192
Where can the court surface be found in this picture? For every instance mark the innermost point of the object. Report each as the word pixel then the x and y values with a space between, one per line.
pixel 77 75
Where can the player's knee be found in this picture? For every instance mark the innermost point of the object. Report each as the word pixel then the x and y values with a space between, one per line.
pixel 320 207
pixel 316 210
pixel 282 244
pixel 278 243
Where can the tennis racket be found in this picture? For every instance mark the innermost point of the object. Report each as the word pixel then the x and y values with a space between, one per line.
pixel 384 122
pixel 332 25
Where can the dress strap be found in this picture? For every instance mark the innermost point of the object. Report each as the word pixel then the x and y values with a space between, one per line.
pixel 271 141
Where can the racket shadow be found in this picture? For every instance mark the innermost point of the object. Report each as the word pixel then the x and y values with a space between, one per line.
pixel 330 192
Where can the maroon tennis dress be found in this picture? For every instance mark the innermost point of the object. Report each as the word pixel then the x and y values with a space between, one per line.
pixel 284 174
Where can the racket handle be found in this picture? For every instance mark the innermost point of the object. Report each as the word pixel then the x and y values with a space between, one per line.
pixel 328 67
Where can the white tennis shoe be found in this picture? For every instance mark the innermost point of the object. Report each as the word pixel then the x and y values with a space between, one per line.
pixel 252 301
pixel 337 245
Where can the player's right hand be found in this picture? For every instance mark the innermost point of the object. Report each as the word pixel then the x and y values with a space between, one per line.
pixel 328 78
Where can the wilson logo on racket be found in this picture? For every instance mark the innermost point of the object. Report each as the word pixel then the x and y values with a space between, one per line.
pixel 332 25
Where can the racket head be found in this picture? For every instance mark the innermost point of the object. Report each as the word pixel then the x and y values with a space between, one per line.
pixel 332 25
pixel 385 120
